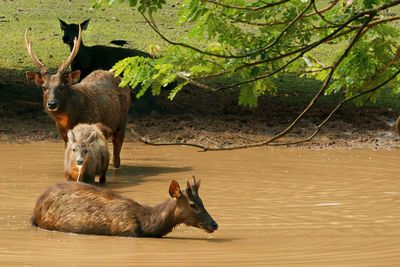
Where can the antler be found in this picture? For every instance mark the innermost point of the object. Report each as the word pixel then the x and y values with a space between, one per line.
pixel 196 184
pixel 74 51
pixel 35 60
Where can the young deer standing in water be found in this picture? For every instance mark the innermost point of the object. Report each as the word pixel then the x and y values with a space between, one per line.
pixel 87 209
pixel 86 154
pixel 96 99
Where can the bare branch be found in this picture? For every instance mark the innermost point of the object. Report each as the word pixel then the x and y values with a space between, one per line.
pixel 336 108
pixel 144 141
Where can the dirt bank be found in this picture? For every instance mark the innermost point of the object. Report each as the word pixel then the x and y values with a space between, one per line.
pixel 208 119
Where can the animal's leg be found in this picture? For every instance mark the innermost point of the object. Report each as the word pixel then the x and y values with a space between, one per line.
pixel 63 133
pixel 104 167
pixel 118 139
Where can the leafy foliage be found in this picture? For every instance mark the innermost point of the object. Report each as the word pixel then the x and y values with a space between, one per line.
pixel 251 42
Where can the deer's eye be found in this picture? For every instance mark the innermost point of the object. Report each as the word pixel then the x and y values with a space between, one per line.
pixel 85 151
pixel 73 149
pixel 192 205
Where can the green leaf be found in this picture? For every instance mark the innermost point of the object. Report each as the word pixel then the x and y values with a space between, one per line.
pixel 248 96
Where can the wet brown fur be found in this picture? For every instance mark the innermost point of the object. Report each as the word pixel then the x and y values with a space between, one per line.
pixel 87 209
pixel 91 138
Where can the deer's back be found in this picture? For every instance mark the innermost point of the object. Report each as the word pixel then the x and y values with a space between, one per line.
pixel 84 208
pixel 102 99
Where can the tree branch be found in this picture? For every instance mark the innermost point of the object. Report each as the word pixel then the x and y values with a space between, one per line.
pixel 332 5
pixel 269 141
pixel 312 102
pixel 336 108
pixel 307 48
pixel 154 27
pixel 301 52
pixel 245 8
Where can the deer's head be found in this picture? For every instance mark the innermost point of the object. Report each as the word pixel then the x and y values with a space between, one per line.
pixel 190 209
pixel 54 85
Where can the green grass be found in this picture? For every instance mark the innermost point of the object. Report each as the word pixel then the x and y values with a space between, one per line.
pixel 115 22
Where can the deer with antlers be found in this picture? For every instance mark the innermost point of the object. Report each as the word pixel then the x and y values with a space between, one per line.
pixel 87 209
pixel 96 99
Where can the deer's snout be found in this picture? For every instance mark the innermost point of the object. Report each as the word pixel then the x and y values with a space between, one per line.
pixel 209 227
pixel 79 161
pixel 52 105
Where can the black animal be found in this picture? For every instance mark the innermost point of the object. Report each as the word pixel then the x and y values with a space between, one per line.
pixel 90 58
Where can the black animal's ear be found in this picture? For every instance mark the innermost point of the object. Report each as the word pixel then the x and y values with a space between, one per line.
pixel 71 136
pixel 85 24
pixel 63 24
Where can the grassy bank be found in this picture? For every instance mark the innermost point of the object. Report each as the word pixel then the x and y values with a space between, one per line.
pixel 115 22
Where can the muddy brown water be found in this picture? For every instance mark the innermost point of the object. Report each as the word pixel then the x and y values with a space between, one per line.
pixel 274 207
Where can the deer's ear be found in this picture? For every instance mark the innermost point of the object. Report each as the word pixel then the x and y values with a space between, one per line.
pixel 63 24
pixel 33 77
pixel 174 189
pixel 85 24
pixel 71 136
pixel 73 77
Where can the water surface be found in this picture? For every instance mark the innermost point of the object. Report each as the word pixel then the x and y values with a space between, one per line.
pixel 274 207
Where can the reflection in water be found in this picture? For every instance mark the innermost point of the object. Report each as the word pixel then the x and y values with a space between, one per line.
pixel 274 206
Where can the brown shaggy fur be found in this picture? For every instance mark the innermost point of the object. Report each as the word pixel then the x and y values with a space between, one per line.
pixel 88 143
pixel 87 209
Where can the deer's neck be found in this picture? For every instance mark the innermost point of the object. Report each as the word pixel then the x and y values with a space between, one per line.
pixel 160 220
pixel 69 108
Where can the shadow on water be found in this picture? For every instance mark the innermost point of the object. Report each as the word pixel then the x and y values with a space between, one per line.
pixel 127 175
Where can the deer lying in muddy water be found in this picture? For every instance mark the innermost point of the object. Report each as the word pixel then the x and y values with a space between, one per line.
pixel 87 209
pixel 97 98
pixel 86 154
